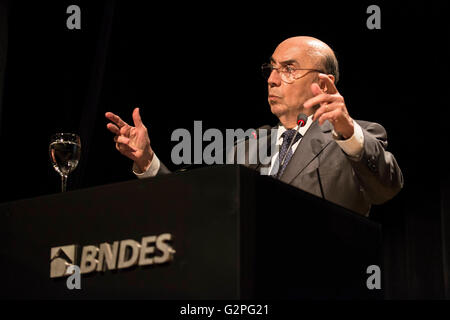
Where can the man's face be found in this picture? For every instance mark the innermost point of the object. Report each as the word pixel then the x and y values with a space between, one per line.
pixel 286 99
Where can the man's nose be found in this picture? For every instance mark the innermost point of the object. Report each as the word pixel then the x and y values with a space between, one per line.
pixel 274 79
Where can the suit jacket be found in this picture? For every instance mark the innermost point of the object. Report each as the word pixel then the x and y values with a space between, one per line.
pixel 319 166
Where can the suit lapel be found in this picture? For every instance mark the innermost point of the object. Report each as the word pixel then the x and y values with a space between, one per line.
pixel 311 145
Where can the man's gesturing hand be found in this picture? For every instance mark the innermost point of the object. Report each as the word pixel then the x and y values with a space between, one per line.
pixel 132 142
pixel 332 107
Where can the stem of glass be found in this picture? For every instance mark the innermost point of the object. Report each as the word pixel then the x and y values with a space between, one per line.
pixel 63 183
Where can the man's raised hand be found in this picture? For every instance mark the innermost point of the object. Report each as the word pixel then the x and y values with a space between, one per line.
pixel 332 107
pixel 132 142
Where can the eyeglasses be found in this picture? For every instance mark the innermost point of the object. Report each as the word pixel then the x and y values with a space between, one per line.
pixel 287 72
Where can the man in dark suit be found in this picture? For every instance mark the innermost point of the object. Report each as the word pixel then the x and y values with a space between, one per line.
pixel 333 156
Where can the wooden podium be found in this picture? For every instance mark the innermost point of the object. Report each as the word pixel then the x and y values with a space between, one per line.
pixel 232 234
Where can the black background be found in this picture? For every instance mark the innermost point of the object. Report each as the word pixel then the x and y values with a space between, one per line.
pixel 181 62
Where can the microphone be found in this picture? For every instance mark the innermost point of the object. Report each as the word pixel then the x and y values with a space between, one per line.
pixel 301 121
pixel 256 132
pixel 255 135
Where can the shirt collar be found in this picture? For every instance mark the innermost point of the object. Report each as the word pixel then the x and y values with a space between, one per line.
pixel 302 130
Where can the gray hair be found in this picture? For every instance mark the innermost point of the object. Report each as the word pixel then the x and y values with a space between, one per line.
pixel 326 59
pixel 330 65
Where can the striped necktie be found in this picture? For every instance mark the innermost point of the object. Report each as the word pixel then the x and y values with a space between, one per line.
pixel 287 136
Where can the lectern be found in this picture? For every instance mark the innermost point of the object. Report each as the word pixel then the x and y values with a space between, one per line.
pixel 219 232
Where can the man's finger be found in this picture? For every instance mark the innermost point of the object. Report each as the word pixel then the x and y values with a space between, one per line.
pixel 122 139
pixel 126 150
pixel 326 108
pixel 123 142
pixel 331 116
pixel 331 88
pixel 137 118
pixel 321 98
pixel 126 131
pixel 116 119
pixel 113 128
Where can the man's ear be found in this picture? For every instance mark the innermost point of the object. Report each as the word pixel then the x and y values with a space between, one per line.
pixel 322 83
pixel 332 78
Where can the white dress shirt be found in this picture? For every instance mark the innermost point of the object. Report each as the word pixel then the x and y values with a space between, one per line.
pixel 352 146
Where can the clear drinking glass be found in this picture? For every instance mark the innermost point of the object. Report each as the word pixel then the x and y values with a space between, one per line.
pixel 64 149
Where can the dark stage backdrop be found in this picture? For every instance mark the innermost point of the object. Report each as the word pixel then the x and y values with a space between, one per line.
pixel 185 62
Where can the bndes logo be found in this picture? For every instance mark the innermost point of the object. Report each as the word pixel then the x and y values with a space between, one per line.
pixel 118 255
pixel 61 258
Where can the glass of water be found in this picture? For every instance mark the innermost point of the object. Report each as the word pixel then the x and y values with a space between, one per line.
pixel 64 149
